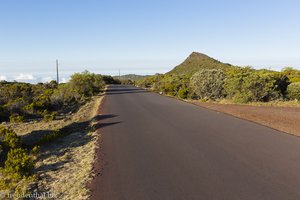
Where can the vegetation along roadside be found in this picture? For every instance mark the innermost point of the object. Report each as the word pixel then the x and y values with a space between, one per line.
pixel 44 154
pixel 264 96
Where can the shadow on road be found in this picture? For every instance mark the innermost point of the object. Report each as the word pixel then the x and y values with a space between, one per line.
pixel 118 90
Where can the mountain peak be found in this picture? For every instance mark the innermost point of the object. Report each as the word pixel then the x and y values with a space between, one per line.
pixel 197 54
pixel 197 61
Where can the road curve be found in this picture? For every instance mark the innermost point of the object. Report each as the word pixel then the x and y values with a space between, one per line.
pixel 154 147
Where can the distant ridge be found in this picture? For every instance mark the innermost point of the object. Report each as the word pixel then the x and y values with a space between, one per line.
pixel 197 61
pixel 132 77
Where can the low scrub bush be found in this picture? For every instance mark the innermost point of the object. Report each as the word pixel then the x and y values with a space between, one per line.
pixel 50 137
pixel 248 85
pixel 35 150
pixel 18 163
pixel 183 93
pixel 15 118
pixel 208 83
pixel 293 91
pixel 3 132
pixel 11 139
pixel 49 117
pixel 20 100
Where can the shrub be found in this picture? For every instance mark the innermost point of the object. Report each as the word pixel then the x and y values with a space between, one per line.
pixel 183 93
pixel 86 83
pixel 293 74
pixel 295 79
pixel 55 134
pixel 15 105
pixel 208 83
pixel 18 163
pixel 3 132
pixel 294 91
pixel 242 97
pixel 245 84
pixel 11 139
pixel 49 117
pixel 110 80
pixel 30 100
pixel 35 150
pixel 15 118
pixel 65 95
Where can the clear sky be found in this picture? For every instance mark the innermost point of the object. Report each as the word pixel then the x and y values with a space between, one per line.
pixel 143 37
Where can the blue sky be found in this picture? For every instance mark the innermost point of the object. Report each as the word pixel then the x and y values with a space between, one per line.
pixel 143 37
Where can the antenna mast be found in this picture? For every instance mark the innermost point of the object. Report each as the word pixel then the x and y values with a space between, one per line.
pixel 57 76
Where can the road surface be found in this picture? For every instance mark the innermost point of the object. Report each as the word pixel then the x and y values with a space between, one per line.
pixel 158 148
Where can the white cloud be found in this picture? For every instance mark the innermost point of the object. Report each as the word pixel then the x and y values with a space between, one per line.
pixel 47 79
pixel 24 77
pixel 64 80
pixel 2 78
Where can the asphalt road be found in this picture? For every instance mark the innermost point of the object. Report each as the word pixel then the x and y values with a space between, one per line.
pixel 155 147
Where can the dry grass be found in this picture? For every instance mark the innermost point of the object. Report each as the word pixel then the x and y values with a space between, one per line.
pixel 294 103
pixel 64 166
pixel 28 127
pixel 11 187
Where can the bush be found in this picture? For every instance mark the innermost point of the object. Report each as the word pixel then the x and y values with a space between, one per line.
pixel 110 80
pixel 293 91
pixel 183 93
pixel 31 100
pixel 35 150
pixel 18 163
pixel 65 95
pixel 49 117
pixel 242 97
pixel 293 74
pixel 3 132
pixel 86 84
pixel 168 84
pixel 15 118
pixel 208 83
pixel 11 139
pixel 245 84
pixel 55 134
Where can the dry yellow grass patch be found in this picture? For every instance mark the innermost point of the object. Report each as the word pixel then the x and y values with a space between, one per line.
pixel 65 166
pixel 26 128
pixel 278 103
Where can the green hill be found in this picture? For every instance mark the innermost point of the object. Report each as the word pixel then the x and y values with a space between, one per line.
pixel 197 61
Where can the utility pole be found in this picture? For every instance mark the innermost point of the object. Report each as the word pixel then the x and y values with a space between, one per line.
pixel 57 76
pixel 119 74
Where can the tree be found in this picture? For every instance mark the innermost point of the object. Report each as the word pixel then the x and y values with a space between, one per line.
pixel 208 83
